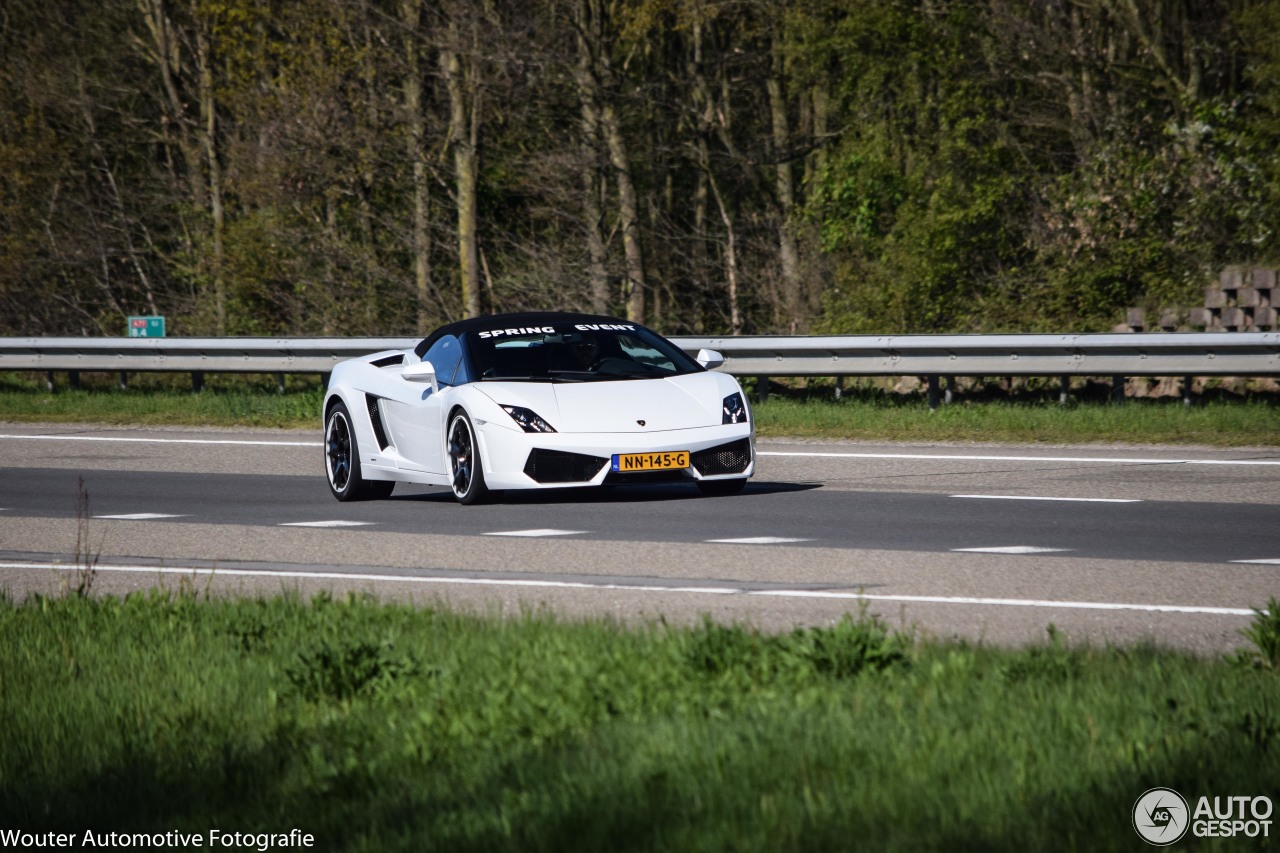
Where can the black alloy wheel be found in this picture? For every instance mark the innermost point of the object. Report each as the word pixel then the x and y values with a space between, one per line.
pixel 466 472
pixel 342 461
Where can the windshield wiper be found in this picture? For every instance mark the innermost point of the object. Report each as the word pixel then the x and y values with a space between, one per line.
pixel 573 376
pixel 581 375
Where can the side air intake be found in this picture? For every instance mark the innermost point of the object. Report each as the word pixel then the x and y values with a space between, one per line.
pixel 375 419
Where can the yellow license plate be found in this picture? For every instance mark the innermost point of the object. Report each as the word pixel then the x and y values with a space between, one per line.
pixel 627 462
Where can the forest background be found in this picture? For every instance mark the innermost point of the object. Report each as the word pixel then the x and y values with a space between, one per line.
pixel 376 167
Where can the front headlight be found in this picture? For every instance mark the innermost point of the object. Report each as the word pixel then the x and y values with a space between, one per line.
pixel 734 408
pixel 529 420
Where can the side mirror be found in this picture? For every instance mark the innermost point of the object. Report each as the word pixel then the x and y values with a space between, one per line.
pixel 423 372
pixel 710 359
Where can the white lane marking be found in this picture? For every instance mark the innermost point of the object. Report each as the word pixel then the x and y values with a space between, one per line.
pixel 706 590
pixel 545 531
pixel 1016 602
pixel 1047 498
pixel 822 455
pixel 167 440
pixel 758 540
pixel 1012 549
pixel 140 516
pixel 977 458
pixel 1271 561
pixel 335 523
pixel 355 576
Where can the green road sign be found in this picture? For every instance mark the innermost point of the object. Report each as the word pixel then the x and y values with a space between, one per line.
pixel 146 327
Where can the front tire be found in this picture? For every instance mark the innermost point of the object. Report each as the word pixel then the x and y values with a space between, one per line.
pixel 342 461
pixel 465 469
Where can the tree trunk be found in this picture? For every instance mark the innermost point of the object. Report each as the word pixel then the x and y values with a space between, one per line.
pixel 463 133
pixel 368 174
pixel 209 116
pixel 164 53
pixel 713 121
pixel 421 231
pixel 793 301
pixel 629 208
pixel 593 28
pixel 730 253
pixel 592 183
pixel 699 264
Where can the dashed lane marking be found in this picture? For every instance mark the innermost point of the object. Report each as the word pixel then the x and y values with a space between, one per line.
pixel 1012 549
pixel 1270 561
pixel 334 523
pixel 545 531
pixel 758 540
pixel 140 516
pixel 1047 498
pixel 704 590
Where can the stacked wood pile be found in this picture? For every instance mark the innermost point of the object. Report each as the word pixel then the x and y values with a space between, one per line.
pixel 1242 300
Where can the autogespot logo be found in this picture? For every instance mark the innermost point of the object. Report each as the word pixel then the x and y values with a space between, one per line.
pixel 1160 816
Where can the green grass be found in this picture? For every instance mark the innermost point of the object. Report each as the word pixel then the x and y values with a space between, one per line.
pixel 164 400
pixel 1222 423
pixel 386 727
pixel 1027 415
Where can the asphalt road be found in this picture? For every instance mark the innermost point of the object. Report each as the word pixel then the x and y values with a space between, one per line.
pixel 987 543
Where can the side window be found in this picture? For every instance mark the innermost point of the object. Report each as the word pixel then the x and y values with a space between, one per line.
pixel 445 355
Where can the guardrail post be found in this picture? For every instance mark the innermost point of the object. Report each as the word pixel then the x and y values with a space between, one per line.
pixel 1186 390
pixel 48 381
pixel 1064 390
pixel 74 378
pixel 1117 389
pixel 279 383
pixel 197 381
pixel 933 392
pixel 948 395
pixel 839 387
pixel 124 381
pixel 762 388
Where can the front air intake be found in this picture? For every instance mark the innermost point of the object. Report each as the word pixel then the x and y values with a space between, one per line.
pixel 558 466
pixel 731 458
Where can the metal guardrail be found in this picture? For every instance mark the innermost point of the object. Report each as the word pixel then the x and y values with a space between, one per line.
pixel 1159 354
pixel 183 355
pixel 1186 354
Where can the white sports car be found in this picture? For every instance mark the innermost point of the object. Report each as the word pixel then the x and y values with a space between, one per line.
pixel 535 401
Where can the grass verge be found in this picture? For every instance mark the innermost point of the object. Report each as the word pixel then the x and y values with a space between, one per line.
pixel 1027 415
pixel 1219 423
pixel 388 727
pixel 165 400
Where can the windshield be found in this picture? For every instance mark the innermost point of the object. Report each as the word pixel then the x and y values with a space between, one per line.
pixel 575 352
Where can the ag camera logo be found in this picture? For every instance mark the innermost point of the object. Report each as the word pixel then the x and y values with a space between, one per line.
pixel 1160 816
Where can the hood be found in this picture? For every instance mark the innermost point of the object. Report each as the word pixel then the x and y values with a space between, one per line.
pixel 681 402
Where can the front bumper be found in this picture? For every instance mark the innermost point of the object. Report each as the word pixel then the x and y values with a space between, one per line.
pixel 518 460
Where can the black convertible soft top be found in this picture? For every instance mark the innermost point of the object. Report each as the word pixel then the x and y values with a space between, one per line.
pixel 503 321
